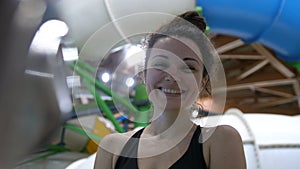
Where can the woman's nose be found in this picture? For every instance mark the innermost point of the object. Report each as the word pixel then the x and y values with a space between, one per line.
pixel 171 77
pixel 168 77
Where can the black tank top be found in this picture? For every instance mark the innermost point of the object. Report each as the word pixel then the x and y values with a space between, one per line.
pixel 193 158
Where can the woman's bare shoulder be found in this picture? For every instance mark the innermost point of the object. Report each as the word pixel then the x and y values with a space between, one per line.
pixel 225 145
pixel 227 131
pixel 221 132
pixel 109 149
pixel 116 139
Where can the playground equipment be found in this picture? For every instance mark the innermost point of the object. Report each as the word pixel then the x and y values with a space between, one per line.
pixel 113 21
pixel 272 23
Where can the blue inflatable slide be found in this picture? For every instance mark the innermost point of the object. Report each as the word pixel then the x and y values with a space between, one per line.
pixel 273 23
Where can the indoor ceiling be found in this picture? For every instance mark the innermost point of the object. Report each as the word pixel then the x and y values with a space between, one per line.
pixel 257 80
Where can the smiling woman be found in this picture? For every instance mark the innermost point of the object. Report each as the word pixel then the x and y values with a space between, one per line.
pixel 179 62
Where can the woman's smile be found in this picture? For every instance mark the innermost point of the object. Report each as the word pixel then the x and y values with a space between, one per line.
pixel 169 92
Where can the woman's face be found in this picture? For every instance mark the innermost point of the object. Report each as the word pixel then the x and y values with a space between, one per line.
pixel 174 73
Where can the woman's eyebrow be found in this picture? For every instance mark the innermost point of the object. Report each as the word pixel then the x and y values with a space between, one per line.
pixel 163 56
pixel 192 59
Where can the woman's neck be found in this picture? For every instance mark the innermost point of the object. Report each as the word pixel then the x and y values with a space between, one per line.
pixel 170 122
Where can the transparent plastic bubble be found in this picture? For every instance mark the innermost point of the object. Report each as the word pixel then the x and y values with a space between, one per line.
pixel 188 117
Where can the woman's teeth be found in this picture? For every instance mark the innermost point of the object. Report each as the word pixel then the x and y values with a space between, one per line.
pixel 170 91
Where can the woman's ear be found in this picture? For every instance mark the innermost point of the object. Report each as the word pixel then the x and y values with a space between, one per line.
pixel 205 81
pixel 141 76
pixel 204 92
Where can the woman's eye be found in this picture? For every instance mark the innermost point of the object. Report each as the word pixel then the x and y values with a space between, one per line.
pixel 189 69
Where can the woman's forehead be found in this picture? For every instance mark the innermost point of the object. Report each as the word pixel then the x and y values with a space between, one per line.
pixel 180 47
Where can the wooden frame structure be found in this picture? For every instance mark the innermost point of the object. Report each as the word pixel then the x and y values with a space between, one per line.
pixel 257 80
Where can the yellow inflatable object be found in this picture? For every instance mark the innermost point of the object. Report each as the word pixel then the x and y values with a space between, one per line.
pixel 101 129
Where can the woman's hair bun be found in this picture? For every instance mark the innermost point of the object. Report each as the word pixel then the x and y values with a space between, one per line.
pixel 194 18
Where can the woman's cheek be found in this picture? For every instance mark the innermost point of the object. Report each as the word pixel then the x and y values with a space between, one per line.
pixel 151 80
pixel 194 86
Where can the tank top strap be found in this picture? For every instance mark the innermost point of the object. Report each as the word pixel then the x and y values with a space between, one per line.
pixel 193 158
pixel 128 156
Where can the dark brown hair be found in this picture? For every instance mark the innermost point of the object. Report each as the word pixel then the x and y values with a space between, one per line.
pixel 174 28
